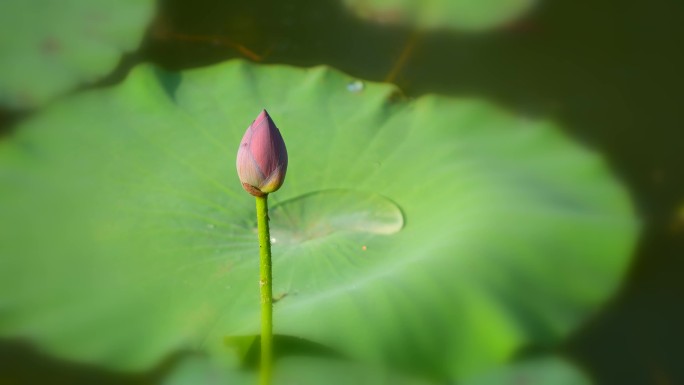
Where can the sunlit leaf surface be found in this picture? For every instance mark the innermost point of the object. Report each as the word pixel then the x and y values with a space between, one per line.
pixel 49 47
pixel 436 234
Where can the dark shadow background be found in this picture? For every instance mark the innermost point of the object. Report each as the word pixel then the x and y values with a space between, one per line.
pixel 608 70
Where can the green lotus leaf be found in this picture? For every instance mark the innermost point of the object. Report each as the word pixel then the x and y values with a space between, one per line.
pixel 465 15
pixel 440 235
pixel 538 371
pixel 49 47
pixel 546 370
pixel 299 370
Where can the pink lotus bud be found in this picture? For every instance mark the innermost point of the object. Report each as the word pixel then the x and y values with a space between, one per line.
pixel 262 157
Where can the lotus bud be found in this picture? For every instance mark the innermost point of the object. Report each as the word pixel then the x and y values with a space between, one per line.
pixel 262 157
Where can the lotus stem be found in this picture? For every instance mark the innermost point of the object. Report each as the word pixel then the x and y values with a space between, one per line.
pixel 265 284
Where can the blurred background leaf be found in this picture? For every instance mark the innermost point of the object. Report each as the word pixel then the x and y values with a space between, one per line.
pixel 49 47
pixel 436 235
pixel 468 15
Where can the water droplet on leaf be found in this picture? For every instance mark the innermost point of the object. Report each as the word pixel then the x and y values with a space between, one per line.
pixel 355 86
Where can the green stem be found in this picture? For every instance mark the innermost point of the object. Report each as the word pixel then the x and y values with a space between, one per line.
pixel 265 278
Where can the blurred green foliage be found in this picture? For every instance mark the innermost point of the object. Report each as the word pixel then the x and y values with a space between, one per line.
pixel 49 47
pixel 468 15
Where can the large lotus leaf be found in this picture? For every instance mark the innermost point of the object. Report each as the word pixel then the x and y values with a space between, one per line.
pixel 315 371
pixel 539 371
pixel 437 234
pixel 468 15
pixel 49 46
pixel 299 371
